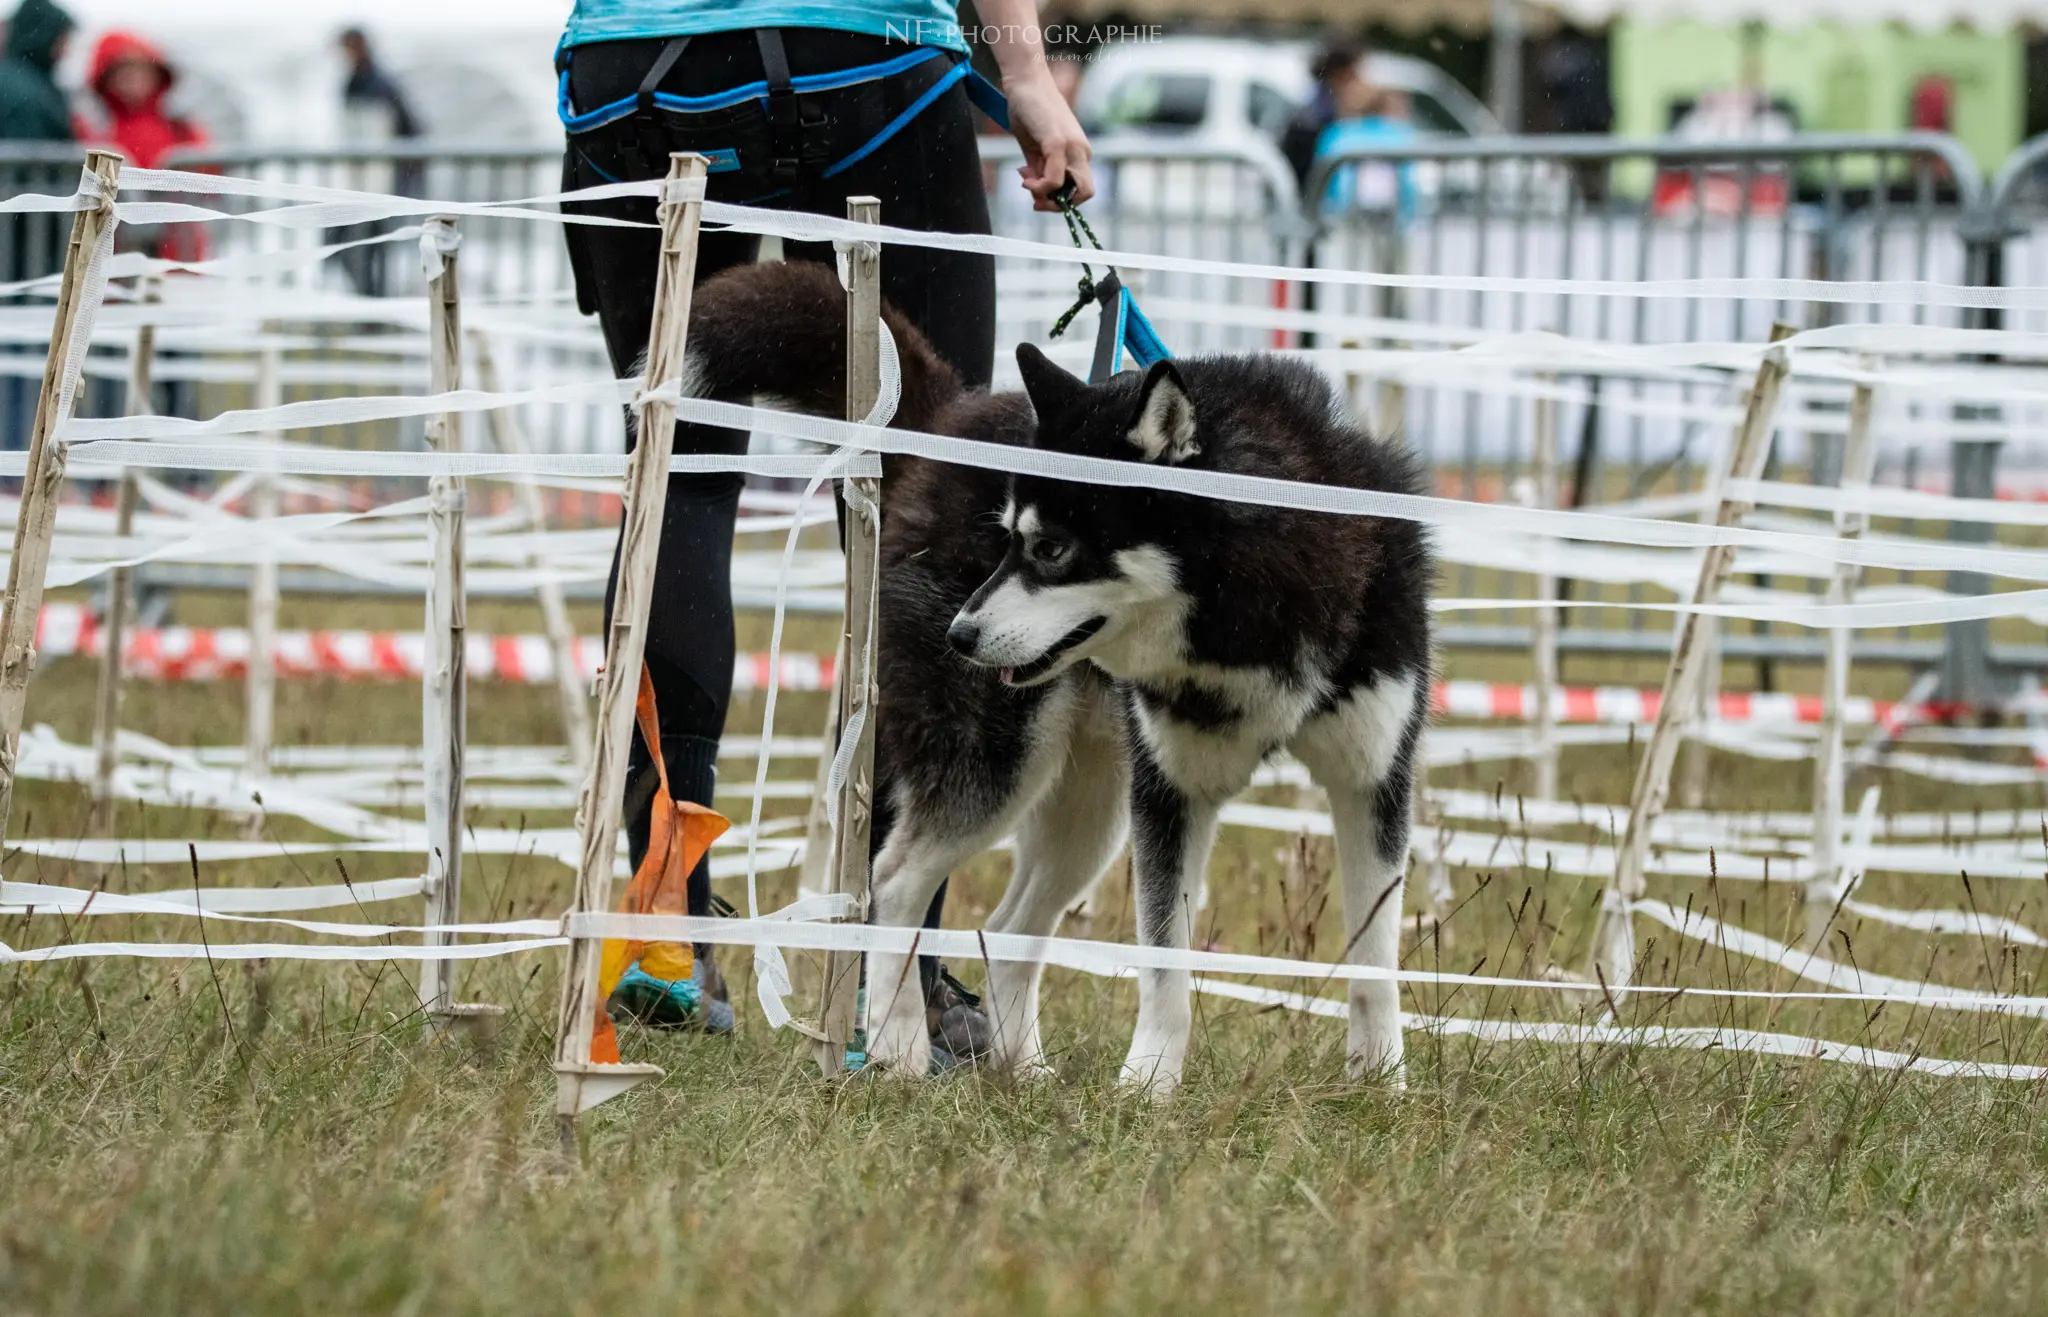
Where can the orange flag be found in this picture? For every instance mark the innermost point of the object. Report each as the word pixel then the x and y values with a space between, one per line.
pixel 678 835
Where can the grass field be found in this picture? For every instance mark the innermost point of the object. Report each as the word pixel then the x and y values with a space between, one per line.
pixel 226 1138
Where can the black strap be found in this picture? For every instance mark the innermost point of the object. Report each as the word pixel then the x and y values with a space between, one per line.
pixel 666 60
pixel 775 72
pixel 640 135
pixel 1076 226
pixel 784 124
pixel 1109 295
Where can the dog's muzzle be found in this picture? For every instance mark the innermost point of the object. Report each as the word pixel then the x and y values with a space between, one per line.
pixel 1029 674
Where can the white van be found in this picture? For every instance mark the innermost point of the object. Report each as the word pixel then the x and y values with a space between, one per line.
pixel 1226 92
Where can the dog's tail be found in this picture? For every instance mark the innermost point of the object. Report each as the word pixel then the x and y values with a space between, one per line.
pixel 776 333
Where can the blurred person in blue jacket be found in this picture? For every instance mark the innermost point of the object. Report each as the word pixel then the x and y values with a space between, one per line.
pixel 1368 117
pixel 1336 69
pixel 376 118
pixel 32 106
pixel 32 109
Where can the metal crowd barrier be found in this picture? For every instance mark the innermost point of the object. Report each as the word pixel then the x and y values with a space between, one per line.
pixel 1827 207
pixel 2016 205
pixel 514 272
pixel 31 246
pixel 502 259
pixel 1819 207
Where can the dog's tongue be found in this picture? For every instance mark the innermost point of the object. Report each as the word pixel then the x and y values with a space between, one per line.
pixel 1007 676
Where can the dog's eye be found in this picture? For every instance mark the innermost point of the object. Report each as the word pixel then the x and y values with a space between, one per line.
pixel 1049 552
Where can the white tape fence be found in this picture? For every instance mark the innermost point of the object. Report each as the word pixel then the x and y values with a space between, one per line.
pixel 1629 545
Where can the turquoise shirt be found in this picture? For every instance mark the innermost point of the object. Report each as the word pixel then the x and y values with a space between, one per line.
pixel 912 22
pixel 1367 186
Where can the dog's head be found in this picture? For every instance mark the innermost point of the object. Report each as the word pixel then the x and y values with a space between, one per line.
pixel 1089 568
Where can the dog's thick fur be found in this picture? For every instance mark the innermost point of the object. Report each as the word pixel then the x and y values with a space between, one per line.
pixel 1068 662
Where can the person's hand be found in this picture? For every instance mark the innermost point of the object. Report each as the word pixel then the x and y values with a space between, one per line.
pixel 1055 148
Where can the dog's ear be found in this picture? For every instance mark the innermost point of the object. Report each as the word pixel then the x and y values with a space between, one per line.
pixel 1051 389
pixel 1164 430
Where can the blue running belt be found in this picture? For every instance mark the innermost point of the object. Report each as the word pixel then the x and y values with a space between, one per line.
pixel 720 100
pixel 1124 326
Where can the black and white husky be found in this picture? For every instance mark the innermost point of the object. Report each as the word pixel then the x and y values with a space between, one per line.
pixel 1068 662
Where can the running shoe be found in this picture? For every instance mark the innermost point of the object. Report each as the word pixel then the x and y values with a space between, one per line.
pixel 698 1003
pixel 960 1031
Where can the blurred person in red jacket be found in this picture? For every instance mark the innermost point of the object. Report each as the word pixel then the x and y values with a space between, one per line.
pixel 131 80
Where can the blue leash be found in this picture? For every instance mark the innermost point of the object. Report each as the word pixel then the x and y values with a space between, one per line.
pixel 1124 327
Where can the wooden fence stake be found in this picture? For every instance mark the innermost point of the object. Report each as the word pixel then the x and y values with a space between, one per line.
pixel 581 1083
pixel 78 305
pixel 510 437
pixel 106 725
pixel 444 684
pixel 259 683
pixel 1613 952
pixel 1692 788
pixel 1859 457
pixel 840 1014
pixel 1544 624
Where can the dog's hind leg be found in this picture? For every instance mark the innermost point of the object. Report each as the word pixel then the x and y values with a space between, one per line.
pixel 1063 846
pixel 1363 754
pixel 1171 836
pixel 1372 858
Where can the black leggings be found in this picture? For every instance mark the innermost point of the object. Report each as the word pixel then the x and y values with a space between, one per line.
pixel 928 176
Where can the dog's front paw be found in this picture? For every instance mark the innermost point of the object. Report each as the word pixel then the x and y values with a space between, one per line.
pixel 1392 1077
pixel 1374 1042
pixel 1022 1061
pixel 911 1059
pixel 1376 1067
pixel 1154 1077
pixel 899 1047
pixel 1035 1071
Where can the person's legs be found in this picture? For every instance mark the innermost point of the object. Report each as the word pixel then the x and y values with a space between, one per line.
pixel 690 637
pixel 689 653
pixel 928 176
pixel 689 656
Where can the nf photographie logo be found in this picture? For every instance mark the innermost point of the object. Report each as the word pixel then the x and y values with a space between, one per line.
pixel 932 32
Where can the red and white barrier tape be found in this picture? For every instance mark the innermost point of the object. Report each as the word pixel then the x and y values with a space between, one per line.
pixel 1625 704
pixel 207 653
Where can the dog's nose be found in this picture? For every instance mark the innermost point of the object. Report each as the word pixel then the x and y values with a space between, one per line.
pixel 964 636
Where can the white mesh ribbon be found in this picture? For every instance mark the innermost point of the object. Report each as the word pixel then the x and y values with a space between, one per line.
pixel 771 972
pixel 849 736
pixel 438 241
